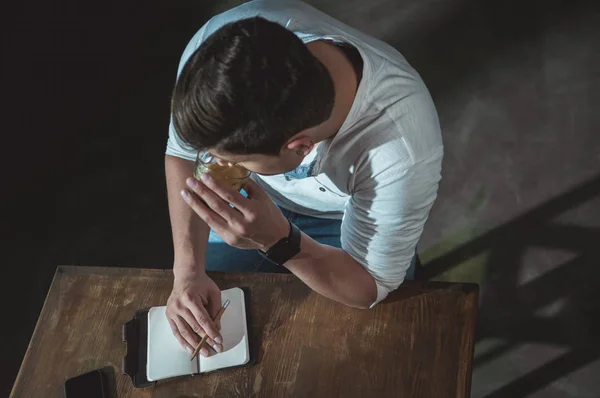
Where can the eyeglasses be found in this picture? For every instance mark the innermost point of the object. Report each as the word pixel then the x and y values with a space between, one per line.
pixel 234 175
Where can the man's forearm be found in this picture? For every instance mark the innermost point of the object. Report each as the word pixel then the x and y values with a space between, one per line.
pixel 190 233
pixel 333 273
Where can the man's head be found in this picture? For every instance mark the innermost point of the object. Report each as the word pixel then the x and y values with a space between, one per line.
pixel 250 94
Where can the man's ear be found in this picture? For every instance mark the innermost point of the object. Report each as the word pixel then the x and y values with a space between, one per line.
pixel 301 145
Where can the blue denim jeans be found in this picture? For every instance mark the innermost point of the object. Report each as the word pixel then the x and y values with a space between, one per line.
pixel 222 257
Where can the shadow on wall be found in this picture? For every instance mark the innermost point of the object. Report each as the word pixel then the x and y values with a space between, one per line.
pixel 513 311
pixel 449 53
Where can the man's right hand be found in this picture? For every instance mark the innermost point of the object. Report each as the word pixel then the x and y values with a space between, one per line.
pixel 193 304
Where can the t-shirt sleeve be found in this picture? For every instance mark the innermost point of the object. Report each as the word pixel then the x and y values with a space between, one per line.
pixel 385 217
pixel 175 145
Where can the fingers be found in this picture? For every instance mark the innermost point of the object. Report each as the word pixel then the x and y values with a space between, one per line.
pixel 180 339
pixel 190 339
pixel 225 192
pixel 214 220
pixel 214 305
pixel 208 192
pixel 205 322
pixel 196 328
pixel 199 330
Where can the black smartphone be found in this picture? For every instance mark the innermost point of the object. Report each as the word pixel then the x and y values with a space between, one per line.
pixel 87 385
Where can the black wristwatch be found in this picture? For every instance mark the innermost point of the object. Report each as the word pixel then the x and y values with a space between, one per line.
pixel 286 248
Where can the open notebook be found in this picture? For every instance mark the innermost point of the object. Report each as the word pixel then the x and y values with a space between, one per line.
pixel 166 358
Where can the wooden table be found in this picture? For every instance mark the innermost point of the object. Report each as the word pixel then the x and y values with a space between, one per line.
pixel 419 343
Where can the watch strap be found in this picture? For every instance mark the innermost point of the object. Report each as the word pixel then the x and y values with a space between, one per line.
pixel 285 248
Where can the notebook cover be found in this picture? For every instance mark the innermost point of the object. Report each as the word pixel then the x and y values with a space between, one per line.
pixel 135 335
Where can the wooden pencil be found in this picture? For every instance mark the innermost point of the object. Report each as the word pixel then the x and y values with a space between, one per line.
pixel 217 318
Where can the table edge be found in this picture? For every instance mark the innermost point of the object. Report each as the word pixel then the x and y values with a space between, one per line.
pixel 423 285
pixel 84 270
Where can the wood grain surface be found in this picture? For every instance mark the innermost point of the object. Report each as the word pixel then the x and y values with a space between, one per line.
pixel 418 343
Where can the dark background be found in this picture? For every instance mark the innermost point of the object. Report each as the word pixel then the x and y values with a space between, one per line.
pixel 84 148
pixel 85 105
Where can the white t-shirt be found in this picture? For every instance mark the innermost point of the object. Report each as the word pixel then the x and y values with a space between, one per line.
pixel 380 172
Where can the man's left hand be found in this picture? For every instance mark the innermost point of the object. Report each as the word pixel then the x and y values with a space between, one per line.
pixel 254 222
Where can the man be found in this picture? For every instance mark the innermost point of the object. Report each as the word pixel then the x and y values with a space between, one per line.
pixel 344 143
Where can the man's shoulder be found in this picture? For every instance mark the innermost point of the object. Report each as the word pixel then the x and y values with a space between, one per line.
pixel 399 123
pixel 380 155
pixel 389 138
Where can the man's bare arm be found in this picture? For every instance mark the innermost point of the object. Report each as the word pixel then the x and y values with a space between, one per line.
pixel 195 299
pixel 333 273
pixel 190 233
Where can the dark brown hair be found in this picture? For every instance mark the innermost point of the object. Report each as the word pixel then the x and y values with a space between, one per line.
pixel 248 88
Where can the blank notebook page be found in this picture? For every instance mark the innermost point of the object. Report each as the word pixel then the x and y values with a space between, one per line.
pixel 166 357
pixel 234 332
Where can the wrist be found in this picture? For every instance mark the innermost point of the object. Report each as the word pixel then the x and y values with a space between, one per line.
pixel 280 231
pixel 285 248
pixel 187 268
